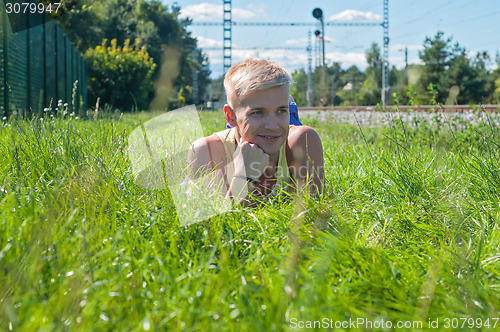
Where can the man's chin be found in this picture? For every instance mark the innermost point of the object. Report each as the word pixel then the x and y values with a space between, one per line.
pixel 271 149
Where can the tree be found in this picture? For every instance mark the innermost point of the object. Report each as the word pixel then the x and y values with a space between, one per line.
pixel 454 74
pixel 467 79
pixel 333 83
pixel 496 78
pixel 152 23
pixel 120 76
pixel 371 87
pixel 299 88
pixel 436 57
pixel 352 80
pixel 457 78
pixel 480 65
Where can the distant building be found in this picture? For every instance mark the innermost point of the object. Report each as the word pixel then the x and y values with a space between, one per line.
pixel 347 87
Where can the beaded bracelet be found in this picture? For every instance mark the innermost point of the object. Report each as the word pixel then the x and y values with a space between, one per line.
pixel 245 178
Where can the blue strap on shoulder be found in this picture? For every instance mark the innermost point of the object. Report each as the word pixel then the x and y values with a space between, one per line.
pixel 294 115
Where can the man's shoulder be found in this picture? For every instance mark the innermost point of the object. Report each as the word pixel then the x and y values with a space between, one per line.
pixel 303 142
pixel 301 135
pixel 212 141
pixel 210 148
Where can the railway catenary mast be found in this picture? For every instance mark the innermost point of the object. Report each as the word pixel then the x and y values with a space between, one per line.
pixel 227 43
pixel 309 72
pixel 227 33
pixel 385 63
pixel 195 78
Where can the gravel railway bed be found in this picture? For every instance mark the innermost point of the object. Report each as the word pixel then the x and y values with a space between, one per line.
pixel 413 116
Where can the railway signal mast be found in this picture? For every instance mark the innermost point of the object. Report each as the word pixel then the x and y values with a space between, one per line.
pixel 318 14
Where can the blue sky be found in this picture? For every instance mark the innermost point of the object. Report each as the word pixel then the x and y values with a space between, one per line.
pixel 474 24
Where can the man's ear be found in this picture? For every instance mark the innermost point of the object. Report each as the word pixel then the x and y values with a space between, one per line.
pixel 230 115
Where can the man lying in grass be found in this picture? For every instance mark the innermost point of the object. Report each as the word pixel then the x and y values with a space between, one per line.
pixel 262 152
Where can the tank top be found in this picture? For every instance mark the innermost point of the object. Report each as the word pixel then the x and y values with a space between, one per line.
pixel 282 173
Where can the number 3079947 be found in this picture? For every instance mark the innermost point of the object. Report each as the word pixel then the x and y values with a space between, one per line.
pixel 27 7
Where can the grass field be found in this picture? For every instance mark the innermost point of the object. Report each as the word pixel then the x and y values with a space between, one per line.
pixel 407 231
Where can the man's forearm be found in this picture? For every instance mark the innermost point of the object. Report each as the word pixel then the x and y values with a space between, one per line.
pixel 240 191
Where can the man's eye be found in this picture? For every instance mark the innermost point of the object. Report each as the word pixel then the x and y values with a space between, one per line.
pixel 257 112
pixel 283 110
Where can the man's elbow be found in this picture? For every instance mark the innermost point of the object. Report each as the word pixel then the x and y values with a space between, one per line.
pixel 198 158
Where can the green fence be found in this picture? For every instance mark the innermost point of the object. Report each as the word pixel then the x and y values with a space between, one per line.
pixel 38 67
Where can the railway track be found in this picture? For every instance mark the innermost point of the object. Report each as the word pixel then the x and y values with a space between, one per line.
pixel 421 108
pixel 373 116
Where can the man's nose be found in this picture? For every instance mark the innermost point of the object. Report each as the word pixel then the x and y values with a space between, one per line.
pixel 271 123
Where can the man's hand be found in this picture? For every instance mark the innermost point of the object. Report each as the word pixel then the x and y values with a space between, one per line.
pixel 250 160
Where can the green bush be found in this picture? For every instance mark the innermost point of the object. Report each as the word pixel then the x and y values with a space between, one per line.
pixel 120 77
pixel 496 94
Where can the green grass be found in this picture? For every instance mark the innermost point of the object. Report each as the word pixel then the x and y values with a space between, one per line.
pixel 407 230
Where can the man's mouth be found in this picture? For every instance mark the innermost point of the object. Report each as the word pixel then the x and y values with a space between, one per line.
pixel 270 137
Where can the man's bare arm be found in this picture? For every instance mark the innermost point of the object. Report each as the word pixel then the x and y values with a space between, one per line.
pixel 306 159
pixel 204 158
pixel 198 158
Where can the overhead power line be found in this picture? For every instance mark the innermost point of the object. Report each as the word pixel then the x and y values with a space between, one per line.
pixel 257 48
pixel 288 23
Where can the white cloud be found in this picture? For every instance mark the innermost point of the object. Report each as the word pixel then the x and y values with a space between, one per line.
pixel 259 10
pixel 211 12
pixel 296 59
pixel 300 41
pixel 329 40
pixel 241 14
pixel 348 59
pixel 202 12
pixel 401 47
pixel 356 15
pixel 208 42
pixel 397 55
pixel 303 41
pixel 399 61
pixel 289 59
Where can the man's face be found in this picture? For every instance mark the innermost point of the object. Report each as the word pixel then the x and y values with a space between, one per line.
pixel 263 118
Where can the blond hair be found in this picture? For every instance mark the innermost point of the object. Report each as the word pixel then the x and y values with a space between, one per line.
pixel 253 74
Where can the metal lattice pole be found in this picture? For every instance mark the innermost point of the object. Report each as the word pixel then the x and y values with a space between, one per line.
pixel 4 104
pixel 195 77
pixel 385 64
pixel 227 35
pixel 323 70
pixel 226 46
pixel 309 71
